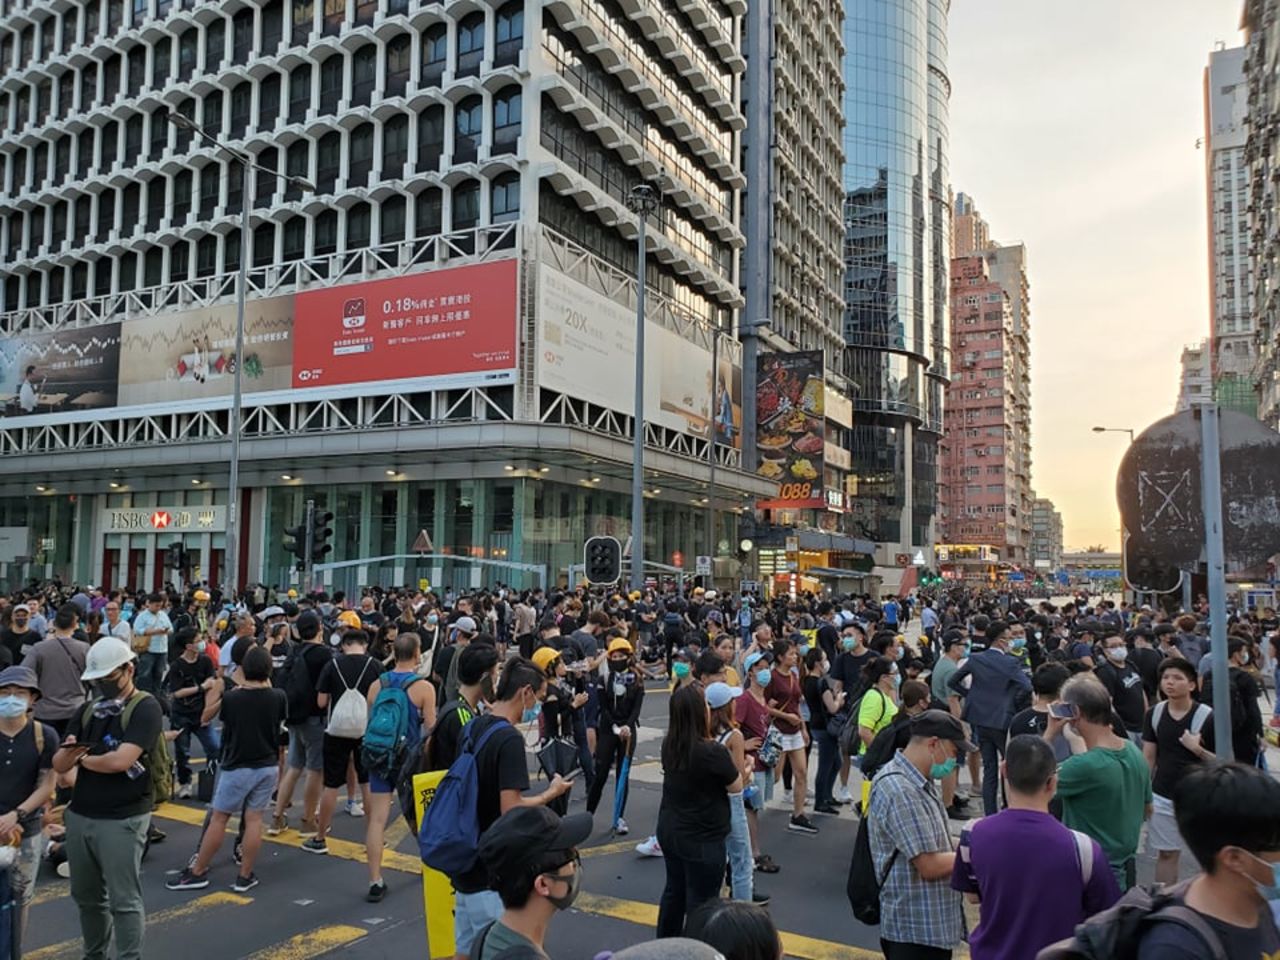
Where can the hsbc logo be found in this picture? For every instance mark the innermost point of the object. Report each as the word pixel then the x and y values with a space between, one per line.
pixel 353 314
pixel 161 519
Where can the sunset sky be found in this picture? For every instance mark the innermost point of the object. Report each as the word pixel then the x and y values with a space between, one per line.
pixel 1074 128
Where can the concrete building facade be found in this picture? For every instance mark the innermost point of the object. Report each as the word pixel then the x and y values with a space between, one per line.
pixel 1045 552
pixel 1195 384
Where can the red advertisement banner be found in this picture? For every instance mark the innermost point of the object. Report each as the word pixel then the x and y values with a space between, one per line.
pixel 455 322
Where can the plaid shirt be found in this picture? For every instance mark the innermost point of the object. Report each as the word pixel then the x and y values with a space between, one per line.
pixel 906 816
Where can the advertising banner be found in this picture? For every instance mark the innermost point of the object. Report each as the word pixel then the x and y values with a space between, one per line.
pixel 453 324
pixel 69 371
pixel 789 404
pixel 175 357
pixel 587 348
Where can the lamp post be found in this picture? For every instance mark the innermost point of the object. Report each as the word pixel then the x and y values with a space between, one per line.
pixel 643 201
pixel 247 163
pixel 1115 430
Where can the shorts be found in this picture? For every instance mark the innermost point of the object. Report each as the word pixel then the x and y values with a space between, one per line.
pixel 1162 828
pixel 764 789
pixel 247 788
pixel 792 741
pixel 337 751
pixel 472 912
pixel 306 743
pixel 378 785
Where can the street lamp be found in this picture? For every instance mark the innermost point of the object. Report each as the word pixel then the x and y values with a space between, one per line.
pixel 643 201
pixel 1115 430
pixel 247 163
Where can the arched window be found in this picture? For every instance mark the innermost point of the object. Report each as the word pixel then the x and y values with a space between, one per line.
pixel 395 147
pixel 358 227
pixel 427 211
pixel 391 220
pixel 364 75
pixel 435 54
pixel 399 56
pixel 508 33
pixel 430 137
pixel 470 44
pixel 360 161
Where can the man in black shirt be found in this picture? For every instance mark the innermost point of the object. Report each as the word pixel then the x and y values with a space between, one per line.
pixel 111 801
pixel 475 663
pixel 828 634
pixel 1145 659
pixel 306 732
pixel 189 679
pixel 17 638
pixel 1124 683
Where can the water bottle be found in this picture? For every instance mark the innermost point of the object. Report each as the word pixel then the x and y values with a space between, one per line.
pixel 134 771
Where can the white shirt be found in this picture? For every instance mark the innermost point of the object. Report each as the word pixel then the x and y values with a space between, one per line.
pixel 121 630
pixel 27 396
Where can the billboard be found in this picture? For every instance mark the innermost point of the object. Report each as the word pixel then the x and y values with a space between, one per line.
pixel 445 328
pixel 458 323
pixel 789 406
pixel 587 349
pixel 67 372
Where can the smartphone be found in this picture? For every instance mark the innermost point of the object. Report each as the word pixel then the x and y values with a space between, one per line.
pixel 571 775
pixel 1063 711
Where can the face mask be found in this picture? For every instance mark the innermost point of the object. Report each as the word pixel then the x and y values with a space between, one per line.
pixel 1244 656
pixel 617 666
pixel 763 677
pixel 939 770
pixel 902 652
pixel 1117 654
pixel 13 706
pixel 897 680
pixel 1018 644
pixel 968 649
pixel 681 670
pixel 803 648
pixel 530 714
pixel 432 619
pixel 109 687
pixel 848 642
pixel 575 884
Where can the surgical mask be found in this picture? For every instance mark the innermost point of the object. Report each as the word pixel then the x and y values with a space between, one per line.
pixel 902 652
pixel 575 884
pixel 109 687
pixel 1244 656
pixel 13 706
pixel 530 714
pixel 803 648
pixel 848 642
pixel 939 770
pixel 1269 892
pixel 681 670
pixel 763 677
pixel 1117 654
pixel 432 619
pixel 897 679
pixel 1018 644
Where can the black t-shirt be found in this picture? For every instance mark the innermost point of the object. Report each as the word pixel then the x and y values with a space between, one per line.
pixel 442 749
pixel 115 796
pixel 316 656
pixel 695 804
pixel 183 675
pixel 1124 683
pixel 1172 758
pixel 812 688
pixel 251 722
pixel 500 765
pixel 18 643
pixel 848 670
pixel 440 662
pixel 348 671
pixel 1173 941
pixel 829 640
pixel 1146 661
pixel 21 766
pixel 279 654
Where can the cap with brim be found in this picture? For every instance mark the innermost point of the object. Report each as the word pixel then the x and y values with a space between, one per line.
pixel 753 658
pixel 272 611
pixel 19 676
pixel 719 694
pixel 618 645
pixel 526 837
pixel 938 723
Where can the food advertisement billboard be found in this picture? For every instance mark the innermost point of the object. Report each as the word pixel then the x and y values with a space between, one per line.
pixel 790 437
pixel 67 372
pixel 452 326
pixel 587 349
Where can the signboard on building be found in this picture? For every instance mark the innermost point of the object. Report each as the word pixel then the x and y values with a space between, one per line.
pixel 837 407
pixel 15 542
pixel 587 349
pixel 68 372
pixel 189 519
pixel 791 443
pixel 702 566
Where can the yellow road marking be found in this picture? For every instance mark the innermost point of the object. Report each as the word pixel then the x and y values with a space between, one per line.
pixel 192 908
pixel 311 944
pixel 396 831
pixel 606 849
pixel 47 892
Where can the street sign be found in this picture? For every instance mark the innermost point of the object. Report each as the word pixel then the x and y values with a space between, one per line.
pixel 902 559
pixel 918 559
pixel 702 566
pixel 1017 576
pixel 792 544
pixel 422 544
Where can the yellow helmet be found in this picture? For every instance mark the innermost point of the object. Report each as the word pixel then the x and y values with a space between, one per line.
pixel 293 594
pixel 201 596
pixel 619 646
pixel 544 657
pixel 350 618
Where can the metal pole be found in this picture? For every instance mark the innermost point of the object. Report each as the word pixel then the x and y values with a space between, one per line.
pixel 711 456
pixel 1186 592
pixel 637 440
pixel 308 545
pixel 1215 567
pixel 233 482
pixel 757 263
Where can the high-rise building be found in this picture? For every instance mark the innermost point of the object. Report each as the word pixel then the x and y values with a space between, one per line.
pixel 1261 24
pixel 440 278
pixel 1046 537
pixel 1231 331
pixel 986 448
pixel 1195 384
pixel 897 257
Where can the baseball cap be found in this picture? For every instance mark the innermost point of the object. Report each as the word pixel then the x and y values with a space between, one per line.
pixel 525 837
pixel 465 625
pixel 939 723
pixel 715 616
pixel 754 658
pixel 718 694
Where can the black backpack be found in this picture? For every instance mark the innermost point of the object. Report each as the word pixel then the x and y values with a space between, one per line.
pixel 864 883
pixel 1117 932
pixel 886 743
pixel 299 690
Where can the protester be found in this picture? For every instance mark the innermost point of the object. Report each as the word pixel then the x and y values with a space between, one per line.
pixel 151 632
pixel 189 680
pixel 305 720
pixel 59 662
pixel 737 930
pixel 1124 683
pixel 784 695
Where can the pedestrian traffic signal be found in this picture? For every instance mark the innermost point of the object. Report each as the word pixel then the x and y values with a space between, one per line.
pixel 320 534
pixel 602 560
pixel 298 544
pixel 175 558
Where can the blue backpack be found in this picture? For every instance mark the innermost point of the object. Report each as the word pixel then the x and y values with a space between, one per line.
pixel 450 834
pixel 391 729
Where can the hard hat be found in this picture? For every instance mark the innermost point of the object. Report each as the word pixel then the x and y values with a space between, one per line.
pixel 201 596
pixel 293 594
pixel 545 656
pixel 619 646
pixel 105 657
pixel 350 618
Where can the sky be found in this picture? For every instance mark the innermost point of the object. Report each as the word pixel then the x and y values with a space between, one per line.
pixel 1074 128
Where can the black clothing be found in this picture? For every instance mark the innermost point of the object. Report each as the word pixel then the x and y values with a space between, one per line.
pixel 1172 758
pixel 115 796
pixel 1124 683
pixel 21 766
pixel 501 765
pixel 183 674
pixel 252 718
pixel 1147 660
pixel 695 802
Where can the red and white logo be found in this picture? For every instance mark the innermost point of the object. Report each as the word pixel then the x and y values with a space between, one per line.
pixel 160 519
pixel 353 314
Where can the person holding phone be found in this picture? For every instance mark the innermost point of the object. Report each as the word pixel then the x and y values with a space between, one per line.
pixel 824 701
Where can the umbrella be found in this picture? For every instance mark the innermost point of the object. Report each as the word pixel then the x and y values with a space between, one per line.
pixel 620 791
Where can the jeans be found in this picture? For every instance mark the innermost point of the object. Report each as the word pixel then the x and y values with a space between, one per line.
pixel 828 766
pixel 695 872
pixel 22 883
pixel 472 912
pixel 742 867
pixel 106 882
pixel 991 742
pixel 208 738
pixel 151 667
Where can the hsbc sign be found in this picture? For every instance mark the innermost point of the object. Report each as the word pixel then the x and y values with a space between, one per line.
pixel 194 519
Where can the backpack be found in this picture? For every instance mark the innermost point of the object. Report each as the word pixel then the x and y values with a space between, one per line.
pixel 350 715
pixel 517 952
pixel 1200 714
pixel 883 746
pixel 1117 932
pixel 155 758
pixel 299 691
pixel 449 838
pixel 390 730
pixel 863 886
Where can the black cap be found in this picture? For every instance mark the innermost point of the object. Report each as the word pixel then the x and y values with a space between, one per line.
pixel 1091 627
pixel 939 723
pixel 526 837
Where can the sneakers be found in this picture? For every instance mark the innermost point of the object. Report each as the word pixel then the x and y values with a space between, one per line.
pixel 957 812
pixel 765 864
pixel 188 879
pixel 801 824
pixel 278 825
pixel 649 847
pixel 308 827
pixel 843 795
pixel 787 797
pixel 315 845
pixel 244 884
pixel 237 854
pixel 760 899
pixel 828 808
pixel 64 870
pixel 155 834
pixel 355 808
pixel 185 792
pixel 376 892
pixel 621 828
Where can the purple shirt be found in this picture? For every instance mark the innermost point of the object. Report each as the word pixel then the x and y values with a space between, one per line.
pixel 1028 904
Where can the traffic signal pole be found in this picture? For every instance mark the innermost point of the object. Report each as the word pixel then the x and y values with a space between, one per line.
pixel 1216 569
pixel 308 545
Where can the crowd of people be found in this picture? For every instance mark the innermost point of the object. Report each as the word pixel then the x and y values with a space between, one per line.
pixel 1083 728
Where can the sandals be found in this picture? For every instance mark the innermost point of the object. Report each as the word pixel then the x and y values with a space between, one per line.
pixel 765 864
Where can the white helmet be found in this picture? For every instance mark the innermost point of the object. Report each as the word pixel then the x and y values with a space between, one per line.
pixel 106 656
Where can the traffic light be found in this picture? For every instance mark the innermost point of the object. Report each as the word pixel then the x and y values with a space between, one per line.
pixel 298 545
pixel 174 559
pixel 602 560
pixel 320 534
pixel 1146 570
